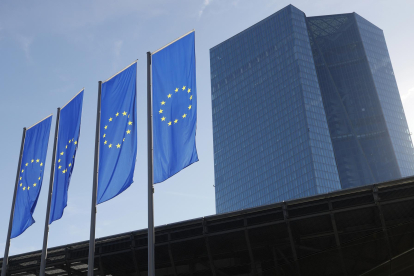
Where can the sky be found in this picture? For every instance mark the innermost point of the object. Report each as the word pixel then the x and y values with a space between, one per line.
pixel 50 50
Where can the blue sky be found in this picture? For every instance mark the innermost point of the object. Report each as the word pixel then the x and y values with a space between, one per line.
pixel 49 50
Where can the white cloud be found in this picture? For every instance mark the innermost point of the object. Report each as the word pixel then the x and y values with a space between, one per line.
pixel 407 95
pixel 25 43
pixel 117 47
pixel 186 195
pixel 117 52
pixel 203 7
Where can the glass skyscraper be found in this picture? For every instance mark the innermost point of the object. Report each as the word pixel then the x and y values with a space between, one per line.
pixel 304 106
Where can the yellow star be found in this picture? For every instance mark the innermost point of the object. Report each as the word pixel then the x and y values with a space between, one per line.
pixel 128 131
pixel 176 90
pixel 66 146
pixel 110 145
pixel 39 177
pixel 118 146
pixel 41 164
pixel 189 90
pixel 105 127
pixel 70 141
pixel 62 153
pixel 110 119
pixel 169 123
pixel 70 164
pixel 162 103
pixel 191 97
pixel 27 164
pixel 123 140
pixel 22 170
pixel 163 119
pixel 28 188
pixel 117 114
pixel 59 161
pixel 34 185
pixel 189 107
pixel 24 188
pixel 63 171
pixel 76 142
pixel 20 178
pixel 185 115
pixel 32 160
pixel 175 121
pixel 160 111
pixel 22 184
pixel 130 123
pixel 105 142
pixel 59 167
pixel 169 96
pixel 183 87
pixel 104 135
pixel 37 160
pixel 124 113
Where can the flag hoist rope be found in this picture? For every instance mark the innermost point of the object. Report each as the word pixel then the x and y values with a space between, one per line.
pixel 151 239
pixel 6 248
pixel 91 257
pixel 49 198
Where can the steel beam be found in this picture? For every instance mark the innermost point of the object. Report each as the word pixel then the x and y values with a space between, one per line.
pixel 252 263
pixel 134 257
pixel 101 267
pixel 210 257
pixel 383 224
pixel 338 242
pixel 292 242
pixel 171 255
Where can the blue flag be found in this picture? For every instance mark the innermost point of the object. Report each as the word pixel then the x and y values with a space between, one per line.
pixel 118 134
pixel 174 107
pixel 31 175
pixel 68 139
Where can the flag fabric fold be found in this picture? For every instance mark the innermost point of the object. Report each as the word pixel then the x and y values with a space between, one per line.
pixel 118 134
pixel 174 107
pixel 67 145
pixel 31 175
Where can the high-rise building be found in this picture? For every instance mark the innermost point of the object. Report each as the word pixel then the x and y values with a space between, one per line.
pixel 304 106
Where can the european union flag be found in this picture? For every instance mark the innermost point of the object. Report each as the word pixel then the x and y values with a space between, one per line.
pixel 174 107
pixel 118 134
pixel 31 175
pixel 68 139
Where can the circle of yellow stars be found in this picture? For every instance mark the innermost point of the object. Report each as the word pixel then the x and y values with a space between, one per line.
pixel 127 132
pixel 175 120
pixel 25 167
pixel 70 142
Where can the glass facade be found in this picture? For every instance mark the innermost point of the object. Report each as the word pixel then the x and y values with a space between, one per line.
pixel 366 119
pixel 271 137
pixel 304 106
pixel 383 76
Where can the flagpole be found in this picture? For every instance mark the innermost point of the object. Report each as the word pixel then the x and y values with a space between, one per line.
pixel 91 258
pixel 151 263
pixel 49 199
pixel 6 249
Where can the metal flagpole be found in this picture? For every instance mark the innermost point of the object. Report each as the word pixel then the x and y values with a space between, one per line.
pixel 49 199
pixel 91 258
pixel 6 250
pixel 151 263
